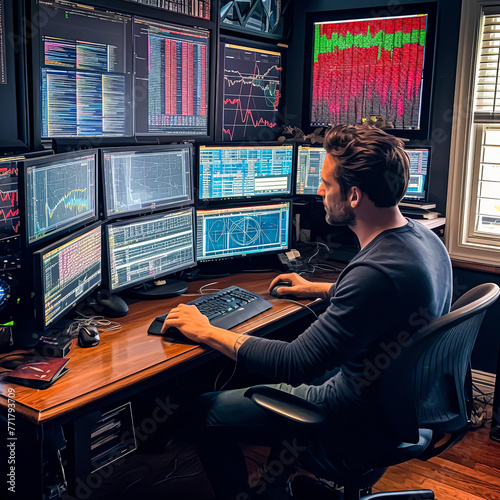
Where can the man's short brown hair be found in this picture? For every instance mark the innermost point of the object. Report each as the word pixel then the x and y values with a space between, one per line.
pixel 372 160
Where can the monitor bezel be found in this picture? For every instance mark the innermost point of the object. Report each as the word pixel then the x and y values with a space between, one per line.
pixel 249 198
pixel 425 198
pixel 239 206
pixel 39 277
pixel 103 178
pixel 251 45
pixel 143 218
pixel 429 8
pixel 45 161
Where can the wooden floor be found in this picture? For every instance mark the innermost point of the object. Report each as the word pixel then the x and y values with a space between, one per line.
pixel 468 471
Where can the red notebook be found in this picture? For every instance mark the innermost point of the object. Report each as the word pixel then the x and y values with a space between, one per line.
pixel 39 372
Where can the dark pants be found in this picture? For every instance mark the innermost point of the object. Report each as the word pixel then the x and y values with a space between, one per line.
pixel 220 421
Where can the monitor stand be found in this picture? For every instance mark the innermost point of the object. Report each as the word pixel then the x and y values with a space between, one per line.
pixel 159 289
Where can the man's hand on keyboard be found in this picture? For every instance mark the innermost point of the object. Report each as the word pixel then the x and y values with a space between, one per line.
pixel 301 287
pixel 189 321
pixel 196 327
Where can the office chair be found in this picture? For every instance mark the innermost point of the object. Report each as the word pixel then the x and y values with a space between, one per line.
pixel 438 391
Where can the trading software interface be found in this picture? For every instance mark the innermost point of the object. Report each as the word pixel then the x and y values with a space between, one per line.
pixel 245 171
pixel 59 194
pixel 368 67
pixel 146 180
pixel 238 231
pixel 171 79
pixel 143 249
pixel 252 93
pixel 69 272
pixel 86 76
pixel 9 208
pixel 419 164
pixel 309 165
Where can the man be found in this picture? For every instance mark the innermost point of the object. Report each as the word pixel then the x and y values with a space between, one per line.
pixel 400 280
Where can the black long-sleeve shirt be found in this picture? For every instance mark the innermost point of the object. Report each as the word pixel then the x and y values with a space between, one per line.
pixel 396 284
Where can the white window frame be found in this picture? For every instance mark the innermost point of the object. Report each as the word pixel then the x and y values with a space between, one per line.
pixel 462 242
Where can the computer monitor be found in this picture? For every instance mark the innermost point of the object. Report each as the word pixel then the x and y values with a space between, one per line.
pixel 65 273
pixel 419 174
pixel 14 96
pixel 171 79
pixel 252 91
pixel 9 208
pixel 367 67
pixel 242 231
pixel 143 249
pixel 146 179
pixel 86 71
pixel 59 194
pixel 309 165
pixel 244 171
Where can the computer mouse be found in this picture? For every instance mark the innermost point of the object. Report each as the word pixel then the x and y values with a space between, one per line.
pixel 280 284
pixel 88 336
pixel 112 306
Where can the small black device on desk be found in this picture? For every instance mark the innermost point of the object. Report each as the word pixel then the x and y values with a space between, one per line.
pixel 225 309
pixel 88 336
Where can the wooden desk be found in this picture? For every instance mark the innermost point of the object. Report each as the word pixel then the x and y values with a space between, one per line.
pixel 128 360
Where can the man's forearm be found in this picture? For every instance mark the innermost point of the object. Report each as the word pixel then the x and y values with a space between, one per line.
pixel 224 341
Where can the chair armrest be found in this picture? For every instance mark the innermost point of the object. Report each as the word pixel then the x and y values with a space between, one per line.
pixel 402 495
pixel 287 405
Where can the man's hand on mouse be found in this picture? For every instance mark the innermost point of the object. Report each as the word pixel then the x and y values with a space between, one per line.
pixel 300 287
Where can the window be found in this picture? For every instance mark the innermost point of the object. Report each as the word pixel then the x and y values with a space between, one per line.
pixel 473 211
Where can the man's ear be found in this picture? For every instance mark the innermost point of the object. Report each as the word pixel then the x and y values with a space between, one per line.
pixel 354 196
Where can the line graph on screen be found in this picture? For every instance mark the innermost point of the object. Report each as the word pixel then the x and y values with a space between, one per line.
pixel 252 93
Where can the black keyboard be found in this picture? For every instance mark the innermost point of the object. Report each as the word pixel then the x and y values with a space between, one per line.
pixel 225 309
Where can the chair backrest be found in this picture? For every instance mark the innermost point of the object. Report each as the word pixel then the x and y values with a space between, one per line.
pixel 434 366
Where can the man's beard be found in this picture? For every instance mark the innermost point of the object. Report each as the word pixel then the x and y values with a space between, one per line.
pixel 343 215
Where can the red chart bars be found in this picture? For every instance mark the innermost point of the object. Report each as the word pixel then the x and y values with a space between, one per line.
pixel 366 68
pixel 9 209
pixel 171 76
pixel 252 90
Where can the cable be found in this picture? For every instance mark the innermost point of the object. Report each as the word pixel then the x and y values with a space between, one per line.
pixel 299 304
pixel 100 322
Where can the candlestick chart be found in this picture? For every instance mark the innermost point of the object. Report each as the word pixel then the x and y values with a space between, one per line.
pixel 9 209
pixel 252 92
pixel 366 68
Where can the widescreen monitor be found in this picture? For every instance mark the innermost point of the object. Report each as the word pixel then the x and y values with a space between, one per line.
pixel 65 273
pixel 419 174
pixel 146 178
pixel 309 165
pixel 86 71
pixel 242 231
pixel 252 91
pixel 59 194
pixel 142 249
pixel 366 67
pixel 171 79
pixel 244 171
